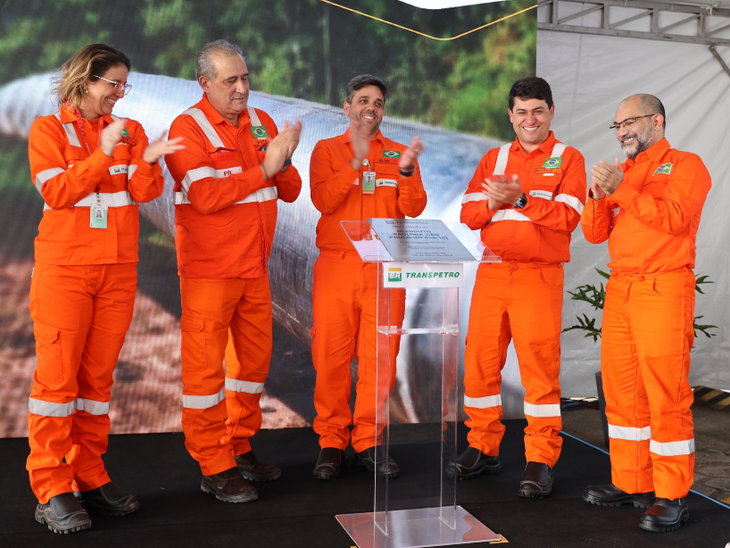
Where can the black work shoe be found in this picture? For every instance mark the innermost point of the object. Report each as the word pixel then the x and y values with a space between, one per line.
pixel 610 495
pixel 666 515
pixel 109 500
pixel 253 469
pixel 63 514
pixel 537 480
pixel 376 460
pixel 473 463
pixel 329 463
pixel 229 486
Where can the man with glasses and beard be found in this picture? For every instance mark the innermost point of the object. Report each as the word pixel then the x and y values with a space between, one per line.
pixel 648 208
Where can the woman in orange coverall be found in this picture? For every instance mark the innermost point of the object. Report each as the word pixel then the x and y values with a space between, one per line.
pixel 91 168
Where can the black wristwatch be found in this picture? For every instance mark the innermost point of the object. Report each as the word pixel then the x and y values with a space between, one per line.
pixel 407 173
pixel 521 201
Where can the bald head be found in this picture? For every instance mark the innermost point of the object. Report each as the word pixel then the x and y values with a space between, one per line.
pixel 640 123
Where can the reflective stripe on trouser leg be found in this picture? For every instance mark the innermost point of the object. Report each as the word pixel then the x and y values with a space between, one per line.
pixel 62 307
pixel 535 316
pixel 486 351
pixel 375 373
pixel 662 314
pixel 207 308
pixel 248 356
pixel 335 320
pixel 647 335
pixel 113 310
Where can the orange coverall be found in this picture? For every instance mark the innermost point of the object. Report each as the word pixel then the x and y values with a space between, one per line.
pixel 522 297
pixel 344 289
pixel 225 214
pixel 82 292
pixel 651 223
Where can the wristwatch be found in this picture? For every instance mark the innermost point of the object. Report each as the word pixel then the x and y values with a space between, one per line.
pixel 521 201
pixel 407 172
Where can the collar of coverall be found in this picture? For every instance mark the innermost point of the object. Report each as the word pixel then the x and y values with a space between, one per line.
pixel 546 146
pixel 216 117
pixel 654 153
pixel 347 136
pixel 68 114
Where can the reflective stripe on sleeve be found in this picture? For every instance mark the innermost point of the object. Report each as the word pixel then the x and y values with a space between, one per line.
pixel 261 195
pixel 131 171
pixel 572 201
pixel 629 433
pixel 502 158
pixel 508 215
pixel 474 197
pixel 44 176
pixel 246 387
pixel 115 199
pixel 484 402
pixel 543 410
pixel 196 175
pixel 204 124
pixel 672 448
pixel 49 409
pixel 92 407
pixel 203 402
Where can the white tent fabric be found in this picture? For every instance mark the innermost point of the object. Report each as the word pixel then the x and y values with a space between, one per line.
pixel 589 76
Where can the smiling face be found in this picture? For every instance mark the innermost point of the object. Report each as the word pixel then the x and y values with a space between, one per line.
pixel 366 109
pixel 101 96
pixel 228 91
pixel 531 120
pixel 640 135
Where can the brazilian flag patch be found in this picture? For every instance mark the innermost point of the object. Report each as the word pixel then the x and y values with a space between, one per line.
pixel 553 162
pixel 391 154
pixel 664 169
pixel 259 132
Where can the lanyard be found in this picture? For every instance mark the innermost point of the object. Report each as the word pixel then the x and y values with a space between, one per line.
pixel 82 129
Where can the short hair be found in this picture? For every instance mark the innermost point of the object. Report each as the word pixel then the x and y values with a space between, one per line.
pixel 650 104
pixel 531 87
pixel 359 82
pixel 205 66
pixel 90 61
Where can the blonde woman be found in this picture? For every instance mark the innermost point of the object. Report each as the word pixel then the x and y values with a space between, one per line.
pixel 92 169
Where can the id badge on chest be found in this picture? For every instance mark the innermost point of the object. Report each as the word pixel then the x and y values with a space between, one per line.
pixel 368 182
pixel 99 213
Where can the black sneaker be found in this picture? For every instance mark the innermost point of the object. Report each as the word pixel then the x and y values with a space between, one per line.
pixel 63 514
pixel 109 500
pixel 229 486
pixel 473 463
pixel 253 469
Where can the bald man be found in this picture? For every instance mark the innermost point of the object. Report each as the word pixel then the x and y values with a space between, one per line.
pixel 648 208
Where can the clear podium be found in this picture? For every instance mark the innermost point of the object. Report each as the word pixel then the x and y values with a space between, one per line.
pixel 425 259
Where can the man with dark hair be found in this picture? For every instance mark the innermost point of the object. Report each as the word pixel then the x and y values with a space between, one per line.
pixel 648 209
pixel 235 168
pixel 526 198
pixel 354 177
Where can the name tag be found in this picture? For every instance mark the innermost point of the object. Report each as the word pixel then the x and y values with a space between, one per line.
pixel 387 182
pixel 122 169
pixel 544 194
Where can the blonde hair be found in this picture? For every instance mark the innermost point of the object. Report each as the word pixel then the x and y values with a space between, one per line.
pixel 89 61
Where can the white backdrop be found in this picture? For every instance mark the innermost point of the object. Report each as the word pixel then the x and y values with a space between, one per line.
pixel 589 76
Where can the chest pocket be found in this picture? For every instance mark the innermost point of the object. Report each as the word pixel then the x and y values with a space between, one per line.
pixel 225 163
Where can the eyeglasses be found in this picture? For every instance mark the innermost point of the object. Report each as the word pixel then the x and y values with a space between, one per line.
pixel 629 122
pixel 118 86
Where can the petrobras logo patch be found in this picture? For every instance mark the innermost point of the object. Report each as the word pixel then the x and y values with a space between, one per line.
pixel 119 170
pixel 395 275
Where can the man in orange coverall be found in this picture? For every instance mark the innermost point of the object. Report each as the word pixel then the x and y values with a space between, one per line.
pixel 526 198
pixel 358 175
pixel 227 181
pixel 648 209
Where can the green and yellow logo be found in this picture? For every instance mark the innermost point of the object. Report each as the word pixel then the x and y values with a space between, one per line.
pixel 259 132
pixel 395 275
pixel 391 154
pixel 125 132
pixel 553 162
pixel 664 169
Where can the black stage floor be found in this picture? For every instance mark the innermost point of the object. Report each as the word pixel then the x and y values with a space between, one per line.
pixel 297 511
